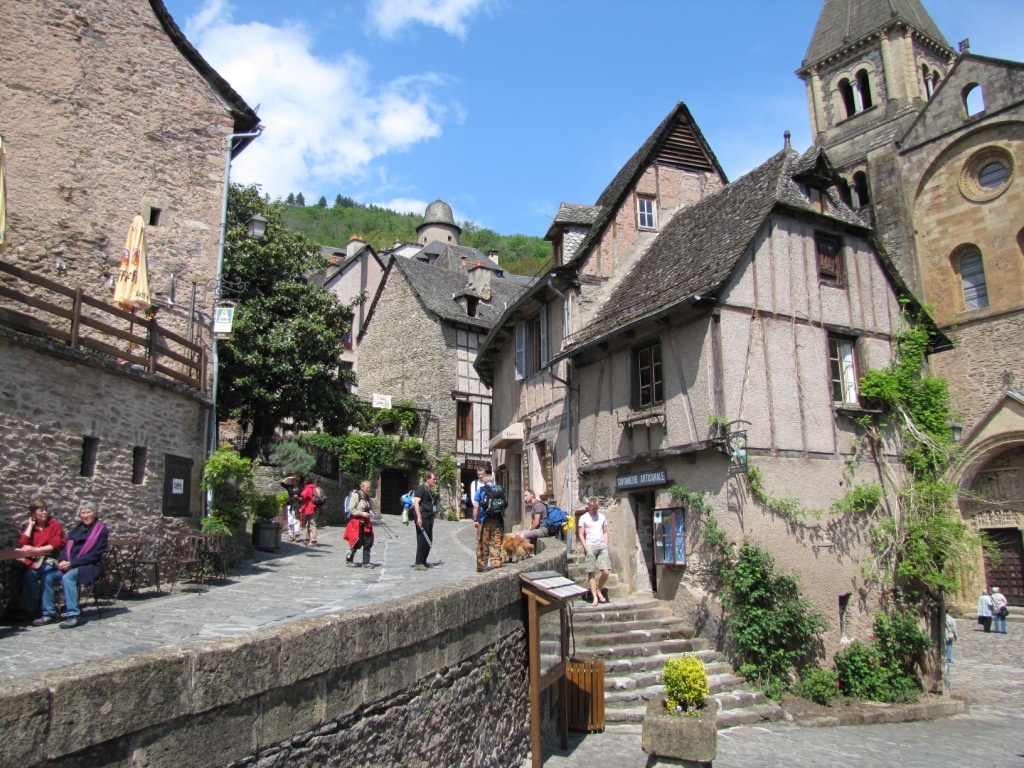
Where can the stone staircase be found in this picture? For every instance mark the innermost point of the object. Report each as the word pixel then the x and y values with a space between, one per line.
pixel 634 634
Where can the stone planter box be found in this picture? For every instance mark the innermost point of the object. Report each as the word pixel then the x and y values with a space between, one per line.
pixel 678 739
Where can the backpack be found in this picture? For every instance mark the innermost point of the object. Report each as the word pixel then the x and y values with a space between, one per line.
pixel 348 504
pixel 407 501
pixel 319 497
pixel 557 517
pixel 494 501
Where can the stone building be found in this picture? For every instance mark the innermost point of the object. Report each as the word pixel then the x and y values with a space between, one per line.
pixel 109 112
pixel 594 247
pixel 731 334
pixel 929 140
pixel 420 340
pixel 353 274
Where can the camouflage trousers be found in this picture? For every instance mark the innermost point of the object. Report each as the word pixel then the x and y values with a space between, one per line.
pixel 488 543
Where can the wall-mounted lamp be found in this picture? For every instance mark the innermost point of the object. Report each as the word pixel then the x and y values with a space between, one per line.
pixel 111 281
pixel 958 431
pixel 60 267
pixel 256 226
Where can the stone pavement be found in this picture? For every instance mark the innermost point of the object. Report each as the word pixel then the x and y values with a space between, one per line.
pixel 273 588
pixel 989 668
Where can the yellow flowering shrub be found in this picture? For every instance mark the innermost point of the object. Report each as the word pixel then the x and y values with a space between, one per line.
pixel 686 683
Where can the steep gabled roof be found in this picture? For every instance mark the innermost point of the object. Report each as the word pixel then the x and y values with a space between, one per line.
pixel 572 214
pixel 678 141
pixel 436 288
pixel 245 117
pixel 845 22
pixel 700 247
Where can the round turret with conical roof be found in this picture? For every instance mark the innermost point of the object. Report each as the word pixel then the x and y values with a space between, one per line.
pixel 438 224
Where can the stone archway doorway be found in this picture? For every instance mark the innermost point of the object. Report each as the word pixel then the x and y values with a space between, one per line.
pixel 994 504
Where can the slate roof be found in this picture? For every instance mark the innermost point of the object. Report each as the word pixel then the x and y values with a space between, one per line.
pixel 624 181
pixel 436 288
pixel 843 22
pixel 451 256
pixel 699 248
pixel 245 117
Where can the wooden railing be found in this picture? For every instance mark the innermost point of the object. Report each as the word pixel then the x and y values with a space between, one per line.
pixel 67 315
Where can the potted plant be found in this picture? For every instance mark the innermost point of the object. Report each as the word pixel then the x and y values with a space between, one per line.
pixel 683 725
pixel 266 529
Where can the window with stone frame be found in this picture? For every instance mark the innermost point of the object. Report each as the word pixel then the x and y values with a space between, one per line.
pixel 464 421
pixel 648 382
pixel 842 351
pixel 828 251
pixel 972 278
pixel 646 212
pixel 532 352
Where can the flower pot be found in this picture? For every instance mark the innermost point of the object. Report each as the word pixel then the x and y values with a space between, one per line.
pixel 266 537
pixel 691 740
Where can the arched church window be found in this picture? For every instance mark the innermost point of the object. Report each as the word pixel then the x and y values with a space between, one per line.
pixel 846 91
pixel 864 86
pixel 974 99
pixel 972 276
pixel 861 195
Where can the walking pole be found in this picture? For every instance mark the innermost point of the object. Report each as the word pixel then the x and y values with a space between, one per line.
pixel 427 538
pixel 379 520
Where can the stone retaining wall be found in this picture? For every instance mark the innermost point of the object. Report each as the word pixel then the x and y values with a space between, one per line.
pixel 435 679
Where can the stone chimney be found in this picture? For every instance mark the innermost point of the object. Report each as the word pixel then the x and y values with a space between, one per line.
pixel 480 281
pixel 355 244
pixel 493 255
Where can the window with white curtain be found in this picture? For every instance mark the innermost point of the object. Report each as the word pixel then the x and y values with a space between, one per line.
pixel 843 363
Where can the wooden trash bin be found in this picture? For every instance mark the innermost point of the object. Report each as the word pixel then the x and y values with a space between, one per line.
pixel 586 695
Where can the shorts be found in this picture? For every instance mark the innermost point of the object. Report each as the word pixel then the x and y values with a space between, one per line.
pixel 598 561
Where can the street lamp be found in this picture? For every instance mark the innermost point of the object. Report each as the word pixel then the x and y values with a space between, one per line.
pixel 256 226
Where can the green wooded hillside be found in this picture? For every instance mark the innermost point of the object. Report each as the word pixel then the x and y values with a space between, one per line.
pixel 381 227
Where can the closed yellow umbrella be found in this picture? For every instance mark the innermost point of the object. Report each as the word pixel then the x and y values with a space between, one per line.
pixel 132 289
pixel 3 198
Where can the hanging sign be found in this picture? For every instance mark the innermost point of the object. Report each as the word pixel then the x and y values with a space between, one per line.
pixel 223 322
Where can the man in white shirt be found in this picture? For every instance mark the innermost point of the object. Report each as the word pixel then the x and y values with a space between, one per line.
pixel 593 535
pixel 474 487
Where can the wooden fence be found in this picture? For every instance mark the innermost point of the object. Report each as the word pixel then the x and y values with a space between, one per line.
pixel 67 315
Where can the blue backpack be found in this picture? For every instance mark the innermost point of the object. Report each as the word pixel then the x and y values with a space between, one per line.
pixel 556 518
pixel 407 501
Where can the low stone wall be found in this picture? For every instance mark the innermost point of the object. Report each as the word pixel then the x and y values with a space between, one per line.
pixel 435 679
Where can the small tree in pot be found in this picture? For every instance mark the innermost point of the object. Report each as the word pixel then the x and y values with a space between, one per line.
pixel 683 726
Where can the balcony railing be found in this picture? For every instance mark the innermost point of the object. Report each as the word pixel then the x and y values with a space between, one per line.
pixel 40 307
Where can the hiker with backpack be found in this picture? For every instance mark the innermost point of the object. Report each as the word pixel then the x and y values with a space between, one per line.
pixel 313 498
pixel 359 531
pixel 489 506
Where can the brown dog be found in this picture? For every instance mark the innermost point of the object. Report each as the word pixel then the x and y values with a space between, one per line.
pixel 512 547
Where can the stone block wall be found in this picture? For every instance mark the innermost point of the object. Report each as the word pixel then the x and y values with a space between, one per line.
pixel 434 679
pixel 51 398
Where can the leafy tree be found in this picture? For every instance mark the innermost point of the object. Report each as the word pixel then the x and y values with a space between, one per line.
pixel 283 359
pixel 300 200
pixel 290 200
pixel 322 202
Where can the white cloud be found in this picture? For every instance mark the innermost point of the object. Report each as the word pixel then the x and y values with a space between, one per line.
pixel 404 205
pixel 326 120
pixel 387 17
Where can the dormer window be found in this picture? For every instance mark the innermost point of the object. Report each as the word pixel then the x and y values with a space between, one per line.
pixel 646 212
pixel 472 306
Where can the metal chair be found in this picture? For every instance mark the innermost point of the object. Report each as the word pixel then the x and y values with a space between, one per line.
pixel 143 557
pixel 189 559
pixel 216 553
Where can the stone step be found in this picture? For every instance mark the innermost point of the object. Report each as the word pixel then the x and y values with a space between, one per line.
pixel 628 667
pixel 636 625
pixel 642 648
pixel 613 593
pixel 723 684
pixel 619 611
pixel 616 717
pixel 626 636
pixel 644 679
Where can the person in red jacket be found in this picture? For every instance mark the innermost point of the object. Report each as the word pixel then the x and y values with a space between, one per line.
pixel 41 538
pixel 309 513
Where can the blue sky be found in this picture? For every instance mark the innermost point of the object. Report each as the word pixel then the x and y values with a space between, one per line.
pixel 506 108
